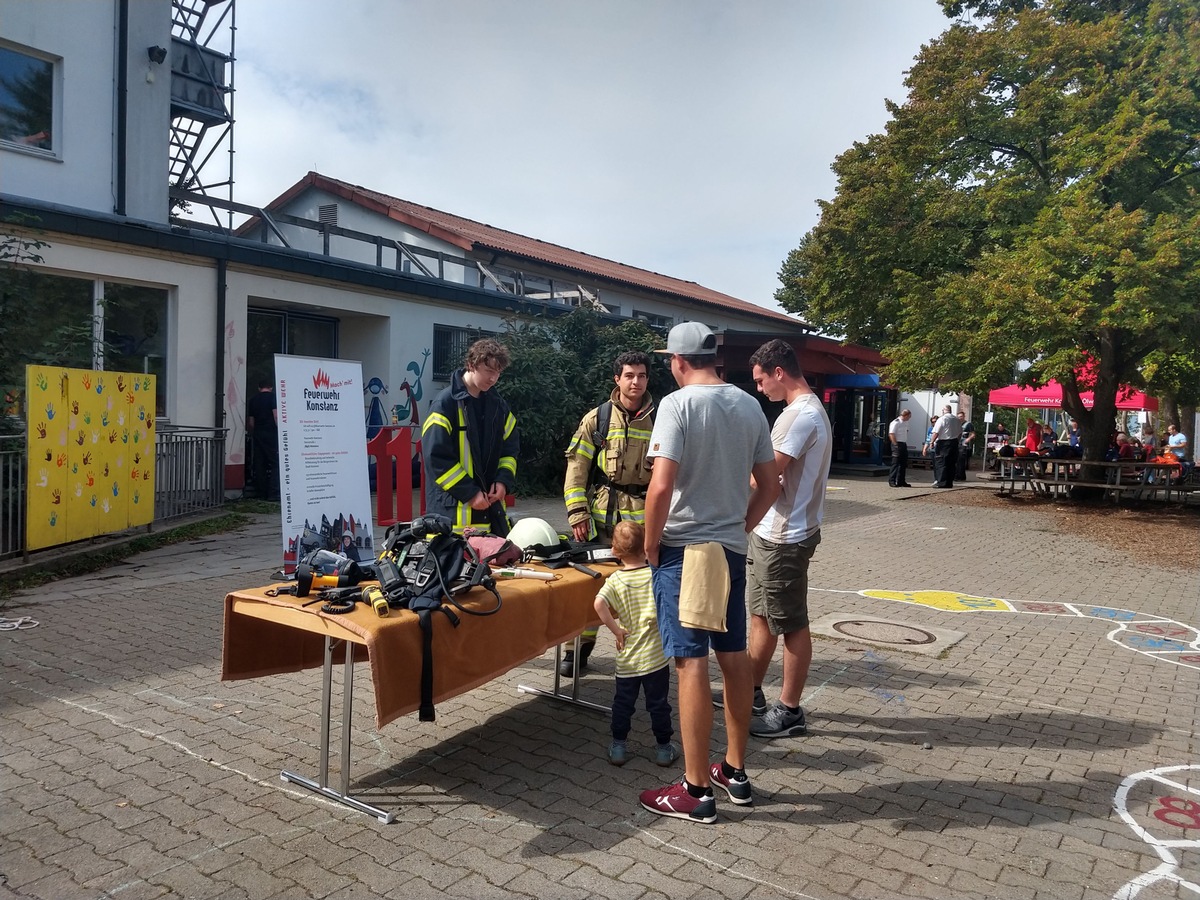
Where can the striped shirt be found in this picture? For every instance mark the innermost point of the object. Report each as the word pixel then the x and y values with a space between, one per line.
pixel 630 596
pixel 802 432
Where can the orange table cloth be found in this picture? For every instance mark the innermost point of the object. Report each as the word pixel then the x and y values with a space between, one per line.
pixel 269 635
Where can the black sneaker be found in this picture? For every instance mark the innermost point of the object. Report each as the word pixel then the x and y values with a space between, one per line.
pixel 778 722
pixel 759 707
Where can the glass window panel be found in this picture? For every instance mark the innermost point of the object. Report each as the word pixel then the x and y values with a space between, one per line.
pixel 312 337
pixel 26 99
pixel 135 334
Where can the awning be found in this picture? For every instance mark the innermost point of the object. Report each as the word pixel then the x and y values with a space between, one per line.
pixel 1050 397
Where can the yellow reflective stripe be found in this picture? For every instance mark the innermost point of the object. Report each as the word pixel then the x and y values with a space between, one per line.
pixel 509 425
pixel 451 477
pixel 435 418
pixel 639 433
pixel 508 462
pixel 582 447
pixel 463 519
pixel 575 495
pixel 464 446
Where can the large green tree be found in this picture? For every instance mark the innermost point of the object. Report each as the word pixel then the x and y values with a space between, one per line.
pixel 1034 198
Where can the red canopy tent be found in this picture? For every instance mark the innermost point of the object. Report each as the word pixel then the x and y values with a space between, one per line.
pixel 1050 397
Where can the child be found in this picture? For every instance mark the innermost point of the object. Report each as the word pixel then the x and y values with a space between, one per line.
pixel 626 606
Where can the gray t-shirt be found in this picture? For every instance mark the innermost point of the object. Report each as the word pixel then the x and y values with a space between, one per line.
pixel 717 433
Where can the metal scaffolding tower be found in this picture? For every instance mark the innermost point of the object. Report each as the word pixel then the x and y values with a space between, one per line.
pixel 202 93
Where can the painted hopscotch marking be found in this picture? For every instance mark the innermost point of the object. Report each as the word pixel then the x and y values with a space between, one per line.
pixel 1165 816
pixel 1150 635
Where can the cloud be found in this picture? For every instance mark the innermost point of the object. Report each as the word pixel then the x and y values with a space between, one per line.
pixel 688 137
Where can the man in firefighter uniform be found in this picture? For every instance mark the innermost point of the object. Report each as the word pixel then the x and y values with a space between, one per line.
pixel 470 444
pixel 607 472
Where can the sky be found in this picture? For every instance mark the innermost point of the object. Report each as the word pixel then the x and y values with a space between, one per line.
pixel 688 137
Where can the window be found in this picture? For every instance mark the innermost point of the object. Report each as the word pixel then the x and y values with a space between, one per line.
pixel 450 347
pixel 26 99
pixel 654 320
pixel 135 333
pixel 83 323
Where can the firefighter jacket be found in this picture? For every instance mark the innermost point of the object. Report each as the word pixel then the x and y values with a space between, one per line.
pixel 607 475
pixel 461 459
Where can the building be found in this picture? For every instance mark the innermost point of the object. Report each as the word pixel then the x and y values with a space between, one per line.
pixel 102 149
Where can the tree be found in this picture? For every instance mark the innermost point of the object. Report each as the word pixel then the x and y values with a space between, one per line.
pixel 1034 198
pixel 560 368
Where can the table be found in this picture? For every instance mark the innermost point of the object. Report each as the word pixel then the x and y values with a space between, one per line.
pixel 267 635
pixel 1052 475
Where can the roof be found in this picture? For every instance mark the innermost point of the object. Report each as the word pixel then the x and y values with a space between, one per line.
pixel 469 235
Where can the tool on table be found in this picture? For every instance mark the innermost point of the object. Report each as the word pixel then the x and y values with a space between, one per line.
pixel 586 570
pixel 374 596
pixel 519 572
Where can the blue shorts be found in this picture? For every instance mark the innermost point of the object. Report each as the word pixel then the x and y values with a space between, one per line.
pixel 693 642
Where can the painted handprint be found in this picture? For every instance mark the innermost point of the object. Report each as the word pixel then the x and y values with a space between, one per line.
pixel 41 430
pixel 95 436
pixel 91 479
pixel 50 411
pixel 74 407
pixel 87 417
pixel 146 383
pixel 104 505
pixel 129 399
pixel 137 458
pixel 42 383
pixel 137 496
pixel 112 437
pixel 142 412
pixel 99 385
pixel 92 501
pixel 120 383
pixel 120 418
pixel 80 439
pixel 125 436
pixel 53 518
pixel 133 475
pixel 87 459
pixel 56 496
pixel 78 489
pixel 116 489
pixel 43 478
pixel 87 382
pixel 49 455
pixel 105 473
pixel 62 460
pixel 104 418
pixel 150 421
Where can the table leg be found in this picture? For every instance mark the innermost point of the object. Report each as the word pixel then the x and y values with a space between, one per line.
pixel 322 785
pixel 557 694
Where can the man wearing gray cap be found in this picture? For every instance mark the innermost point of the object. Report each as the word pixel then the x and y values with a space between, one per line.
pixel 709 438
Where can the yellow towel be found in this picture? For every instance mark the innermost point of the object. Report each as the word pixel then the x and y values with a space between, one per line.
pixel 704 589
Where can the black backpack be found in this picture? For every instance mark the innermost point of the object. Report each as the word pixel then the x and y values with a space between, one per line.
pixel 424 567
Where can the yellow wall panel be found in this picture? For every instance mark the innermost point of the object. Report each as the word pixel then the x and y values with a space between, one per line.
pixel 91 447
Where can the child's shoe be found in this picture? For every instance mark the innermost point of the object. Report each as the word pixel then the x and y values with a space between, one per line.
pixel 666 754
pixel 616 753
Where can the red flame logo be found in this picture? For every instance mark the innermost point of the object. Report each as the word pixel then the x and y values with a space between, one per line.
pixel 321 379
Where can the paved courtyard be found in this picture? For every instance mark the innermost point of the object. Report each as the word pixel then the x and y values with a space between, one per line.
pixel 1049 753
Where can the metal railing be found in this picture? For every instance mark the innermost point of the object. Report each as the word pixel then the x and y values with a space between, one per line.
pixel 12 496
pixel 189 478
pixel 189 470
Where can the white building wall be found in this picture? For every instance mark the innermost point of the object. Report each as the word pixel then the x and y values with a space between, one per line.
pixel 148 113
pixel 79 172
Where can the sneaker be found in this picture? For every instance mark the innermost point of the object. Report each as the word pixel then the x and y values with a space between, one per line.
pixel 665 754
pixel 738 789
pixel 779 721
pixel 675 801
pixel 616 753
pixel 759 706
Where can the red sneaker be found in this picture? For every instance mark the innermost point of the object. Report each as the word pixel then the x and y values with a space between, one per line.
pixel 675 801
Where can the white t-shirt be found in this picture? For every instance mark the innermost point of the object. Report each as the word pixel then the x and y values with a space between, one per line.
pixel 899 429
pixel 947 428
pixel 803 432
pixel 717 433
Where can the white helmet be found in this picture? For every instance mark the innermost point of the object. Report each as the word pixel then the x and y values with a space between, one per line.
pixel 529 531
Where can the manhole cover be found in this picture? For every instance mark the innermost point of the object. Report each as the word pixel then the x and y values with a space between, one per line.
pixel 883 632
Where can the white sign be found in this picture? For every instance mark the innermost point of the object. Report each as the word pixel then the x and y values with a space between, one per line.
pixel 323 487
pixel 989 417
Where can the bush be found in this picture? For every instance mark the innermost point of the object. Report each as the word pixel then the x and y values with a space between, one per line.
pixel 560 368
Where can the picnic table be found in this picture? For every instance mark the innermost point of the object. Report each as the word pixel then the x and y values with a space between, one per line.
pixel 1056 476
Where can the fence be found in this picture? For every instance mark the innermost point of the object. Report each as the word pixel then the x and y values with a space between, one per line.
pixel 189 478
pixel 189 474
pixel 12 496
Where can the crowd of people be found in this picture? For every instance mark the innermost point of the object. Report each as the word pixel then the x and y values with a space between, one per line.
pixel 714 515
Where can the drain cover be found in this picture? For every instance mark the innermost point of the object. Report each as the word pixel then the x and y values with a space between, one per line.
pixel 924 639
pixel 883 632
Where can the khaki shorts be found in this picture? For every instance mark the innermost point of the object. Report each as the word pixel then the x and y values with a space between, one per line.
pixel 777 582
